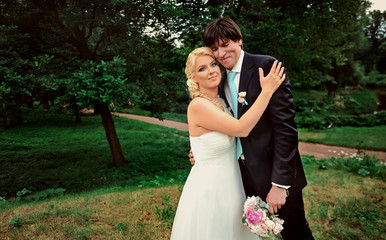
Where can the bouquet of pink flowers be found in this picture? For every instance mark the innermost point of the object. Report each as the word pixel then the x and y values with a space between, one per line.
pixel 256 217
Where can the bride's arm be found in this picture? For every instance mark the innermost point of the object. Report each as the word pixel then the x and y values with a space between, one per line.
pixel 203 113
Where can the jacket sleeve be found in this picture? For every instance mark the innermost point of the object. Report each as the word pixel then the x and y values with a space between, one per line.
pixel 282 115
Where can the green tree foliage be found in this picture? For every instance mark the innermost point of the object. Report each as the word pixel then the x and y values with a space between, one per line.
pixel 44 44
pixel 23 80
pixel 12 89
pixel 316 40
pixel 375 30
pixel 103 83
pixel 66 35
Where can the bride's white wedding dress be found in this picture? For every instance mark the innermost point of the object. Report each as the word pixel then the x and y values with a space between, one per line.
pixel 211 203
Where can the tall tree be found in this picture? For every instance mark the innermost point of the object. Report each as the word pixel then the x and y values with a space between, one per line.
pixel 105 83
pixel 375 30
pixel 141 31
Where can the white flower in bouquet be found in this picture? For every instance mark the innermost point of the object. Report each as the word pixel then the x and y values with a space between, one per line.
pixel 250 202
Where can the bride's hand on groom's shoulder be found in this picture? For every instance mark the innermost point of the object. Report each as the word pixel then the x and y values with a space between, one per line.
pixel 273 80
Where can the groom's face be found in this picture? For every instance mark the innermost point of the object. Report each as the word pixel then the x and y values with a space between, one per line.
pixel 227 52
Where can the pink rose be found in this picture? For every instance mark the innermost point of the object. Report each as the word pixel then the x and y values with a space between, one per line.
pixel 262 215
pixel 263 228
pixel 241 100
pixel 252 217
pixel 251 204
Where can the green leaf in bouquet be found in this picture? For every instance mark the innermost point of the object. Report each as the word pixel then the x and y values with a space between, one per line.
pixel 244 220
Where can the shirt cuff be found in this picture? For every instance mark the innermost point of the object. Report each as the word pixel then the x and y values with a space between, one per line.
pixel 281 186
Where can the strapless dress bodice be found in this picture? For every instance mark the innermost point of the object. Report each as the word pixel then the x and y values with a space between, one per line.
pixel 213 146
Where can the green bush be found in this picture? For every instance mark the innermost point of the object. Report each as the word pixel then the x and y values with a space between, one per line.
pixel 358 101
pixel 346 102
pixel 350 107
pixel 358 163
pixel 318 121
pixel 374 79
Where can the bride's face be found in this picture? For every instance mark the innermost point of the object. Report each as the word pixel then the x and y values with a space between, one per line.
pixel 207 73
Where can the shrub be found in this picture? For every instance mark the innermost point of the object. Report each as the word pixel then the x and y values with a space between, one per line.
pixel 349 101
pixel 318 121
pixel 374 79
pixel 358 101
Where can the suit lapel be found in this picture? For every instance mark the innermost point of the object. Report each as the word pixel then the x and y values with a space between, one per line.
pixel 221 90
pixel 246 75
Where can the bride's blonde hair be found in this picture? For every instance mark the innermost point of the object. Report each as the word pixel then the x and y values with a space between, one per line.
pixel 193 87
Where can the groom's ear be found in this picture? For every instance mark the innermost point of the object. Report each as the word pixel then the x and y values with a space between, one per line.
pixel 240 42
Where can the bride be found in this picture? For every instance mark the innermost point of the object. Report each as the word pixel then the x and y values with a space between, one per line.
pixel 210 206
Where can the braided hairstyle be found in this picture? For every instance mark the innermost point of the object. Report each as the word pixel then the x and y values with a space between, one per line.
pixel 193 87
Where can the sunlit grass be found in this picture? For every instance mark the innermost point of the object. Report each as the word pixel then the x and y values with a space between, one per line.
pixel 338 205
pixel 139 200
pixel 363 137
pixel 119 214
pixel 341 205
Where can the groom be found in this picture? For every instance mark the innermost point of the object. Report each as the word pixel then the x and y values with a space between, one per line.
pixel 269 158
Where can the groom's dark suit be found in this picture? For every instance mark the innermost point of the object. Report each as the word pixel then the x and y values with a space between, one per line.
pixel 271 149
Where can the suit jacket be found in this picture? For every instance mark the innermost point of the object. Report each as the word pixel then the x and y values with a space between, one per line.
pixel 271 149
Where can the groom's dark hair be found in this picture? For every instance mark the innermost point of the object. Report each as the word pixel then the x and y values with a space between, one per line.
pixel 222 28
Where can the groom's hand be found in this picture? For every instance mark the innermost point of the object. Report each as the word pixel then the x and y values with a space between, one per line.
pixel 276 199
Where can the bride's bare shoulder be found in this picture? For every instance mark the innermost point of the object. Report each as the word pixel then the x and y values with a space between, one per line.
pixel 200 106
pixel 199 102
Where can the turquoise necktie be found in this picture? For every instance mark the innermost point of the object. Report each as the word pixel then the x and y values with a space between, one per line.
pixel 233 89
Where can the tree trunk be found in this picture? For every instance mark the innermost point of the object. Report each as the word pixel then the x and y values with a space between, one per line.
pixel 77 117
pixel 111 135
pixel 331 88
pixel 97 108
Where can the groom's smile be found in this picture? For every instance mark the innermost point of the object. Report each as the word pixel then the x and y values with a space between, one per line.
pixel 227 52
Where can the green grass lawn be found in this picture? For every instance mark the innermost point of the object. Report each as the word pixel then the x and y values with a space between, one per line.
pixel 364 137
pixel 138 201
pixel 49 150
pixel 355 209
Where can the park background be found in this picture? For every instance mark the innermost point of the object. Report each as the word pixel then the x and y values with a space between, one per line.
pixel 67 173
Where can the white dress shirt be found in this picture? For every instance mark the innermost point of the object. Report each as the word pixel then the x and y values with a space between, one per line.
pixel 236 68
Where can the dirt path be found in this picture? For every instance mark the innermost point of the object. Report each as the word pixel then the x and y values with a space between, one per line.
pixel 305 148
